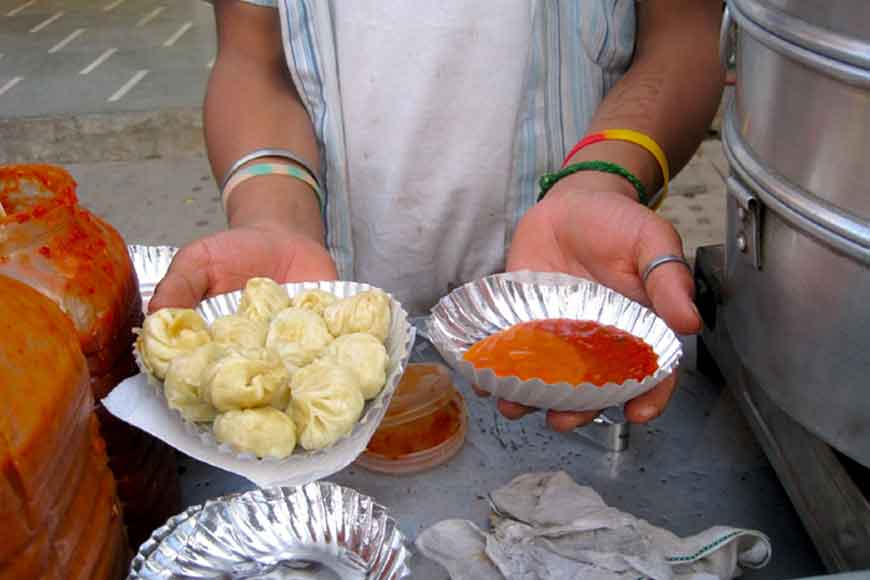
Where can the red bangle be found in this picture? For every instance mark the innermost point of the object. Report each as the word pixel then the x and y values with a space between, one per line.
pixel 587 140
pixel 637 138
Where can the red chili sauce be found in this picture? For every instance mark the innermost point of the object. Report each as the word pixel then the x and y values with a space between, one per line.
pixel 565 351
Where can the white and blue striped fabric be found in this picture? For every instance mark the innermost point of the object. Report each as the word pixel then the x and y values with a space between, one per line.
pixel 580 48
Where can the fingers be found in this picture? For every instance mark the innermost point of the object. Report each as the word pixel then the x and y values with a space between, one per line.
pixel 479 392
pixel 513 411
pixel 562 421
pixel 651 404
pixel 186 282
pixel 669 287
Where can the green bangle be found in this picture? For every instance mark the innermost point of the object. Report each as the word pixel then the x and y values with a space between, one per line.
pixel 548 180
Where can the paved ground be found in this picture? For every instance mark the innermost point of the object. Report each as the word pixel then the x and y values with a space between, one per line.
pixel 84 56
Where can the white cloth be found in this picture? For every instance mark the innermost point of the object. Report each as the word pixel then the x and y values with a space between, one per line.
pixel 429 167
pixel 546 527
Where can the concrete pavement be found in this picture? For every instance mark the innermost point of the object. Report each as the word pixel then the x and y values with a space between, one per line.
pixel 85 56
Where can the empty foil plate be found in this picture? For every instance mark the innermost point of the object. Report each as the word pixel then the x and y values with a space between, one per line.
pixel 316 531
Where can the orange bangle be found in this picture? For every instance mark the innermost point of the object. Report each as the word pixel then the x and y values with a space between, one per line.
pixel 637 138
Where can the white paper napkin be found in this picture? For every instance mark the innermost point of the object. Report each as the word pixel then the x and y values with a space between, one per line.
pixel 136 402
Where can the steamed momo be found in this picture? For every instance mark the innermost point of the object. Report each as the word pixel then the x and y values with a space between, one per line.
pixel 264 432
pixel 239 332
pixel 326 404
pixel 262 299
pixel 247 379
pixel 366 356
pixel 168 333
pixel 314 300
pixel 185 381
pixel 297 336
pixel 367 312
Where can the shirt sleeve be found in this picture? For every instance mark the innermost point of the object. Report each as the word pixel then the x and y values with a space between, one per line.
pixel 271 3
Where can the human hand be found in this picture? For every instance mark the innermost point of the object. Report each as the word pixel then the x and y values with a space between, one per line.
pixel 224 262
pixel 605 235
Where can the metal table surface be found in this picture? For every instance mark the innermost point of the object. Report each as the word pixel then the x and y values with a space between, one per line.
pixel 697 466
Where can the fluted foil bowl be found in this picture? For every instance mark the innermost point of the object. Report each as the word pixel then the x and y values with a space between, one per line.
pixel 479 309
pixel 151 264
pixel 319 530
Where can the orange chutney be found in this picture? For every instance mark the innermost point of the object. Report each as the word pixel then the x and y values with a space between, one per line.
pixel 565 351
pixel 425 412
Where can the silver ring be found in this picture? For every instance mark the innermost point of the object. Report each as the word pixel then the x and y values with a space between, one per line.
pixel 664 260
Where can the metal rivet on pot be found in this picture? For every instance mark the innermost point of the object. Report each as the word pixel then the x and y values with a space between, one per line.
pixel 741 242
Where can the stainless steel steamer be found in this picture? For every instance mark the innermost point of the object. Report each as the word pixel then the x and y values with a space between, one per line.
pixel 796 297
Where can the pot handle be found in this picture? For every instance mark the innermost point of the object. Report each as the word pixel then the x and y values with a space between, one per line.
pixel 726 44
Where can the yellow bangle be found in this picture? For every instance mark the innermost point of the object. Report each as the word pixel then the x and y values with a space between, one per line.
pixel 637 138
pixel 647 143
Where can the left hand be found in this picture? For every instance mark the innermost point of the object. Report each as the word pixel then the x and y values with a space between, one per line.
pixel 590 225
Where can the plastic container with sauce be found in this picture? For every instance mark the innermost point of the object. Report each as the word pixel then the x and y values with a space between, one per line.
pixel 424 426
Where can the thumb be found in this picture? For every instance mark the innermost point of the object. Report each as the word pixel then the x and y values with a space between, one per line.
pixel 185 283
pixel 670 287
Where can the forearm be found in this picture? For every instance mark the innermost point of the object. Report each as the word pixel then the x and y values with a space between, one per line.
pixel 251 104
pixel 671 91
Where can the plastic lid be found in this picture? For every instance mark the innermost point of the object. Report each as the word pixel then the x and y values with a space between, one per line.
pixel 424 388
pixel 424 426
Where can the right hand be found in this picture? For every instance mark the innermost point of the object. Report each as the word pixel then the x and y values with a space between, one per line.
pixel 225 261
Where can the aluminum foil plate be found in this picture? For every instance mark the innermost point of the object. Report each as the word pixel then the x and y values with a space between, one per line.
pixel 151 264
pixel 301 467
pixel 481 308
pixel 316 531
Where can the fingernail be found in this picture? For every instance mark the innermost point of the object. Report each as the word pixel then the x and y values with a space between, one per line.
pixel 646 413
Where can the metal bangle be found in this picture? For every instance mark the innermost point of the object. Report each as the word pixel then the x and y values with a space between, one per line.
pixel 259 154
pixel 664 260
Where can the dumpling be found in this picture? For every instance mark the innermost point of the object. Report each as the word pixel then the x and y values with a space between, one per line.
pixel 326 404
pixel 366 356
pixel 297 336
pixel 247 379
pixel 314 300
pixel 264 432
pixel 185 380
pixel 239 332
pixel 168 333
pixel 262 299
pixel 367 312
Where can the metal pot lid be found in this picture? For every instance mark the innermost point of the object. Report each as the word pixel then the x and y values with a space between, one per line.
pixel 836 30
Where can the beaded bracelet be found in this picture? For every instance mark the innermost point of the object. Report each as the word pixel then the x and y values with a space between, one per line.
pixel 548 180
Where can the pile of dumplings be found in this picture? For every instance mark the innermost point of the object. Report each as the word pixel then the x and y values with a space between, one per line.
pixel 279 372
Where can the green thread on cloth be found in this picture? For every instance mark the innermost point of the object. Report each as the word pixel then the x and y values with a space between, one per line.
pixel 707 548
pixel 700 552
pixel 548 180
